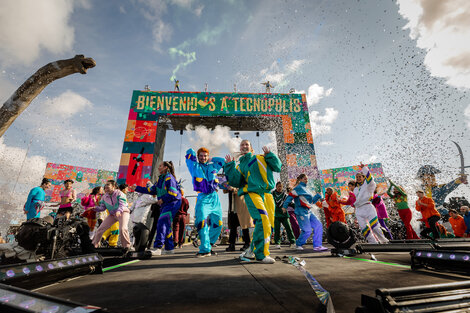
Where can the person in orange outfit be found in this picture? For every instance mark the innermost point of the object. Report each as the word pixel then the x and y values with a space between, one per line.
pixel 337 213
pixel 428 209
pixel 458 223
pixel 322 204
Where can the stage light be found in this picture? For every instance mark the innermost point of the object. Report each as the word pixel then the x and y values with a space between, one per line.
pixel 456 261
pixel 17 274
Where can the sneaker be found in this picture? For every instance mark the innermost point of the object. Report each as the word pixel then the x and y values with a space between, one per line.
pixel 202 255
pixel 268 260
pixel 213 245
pixel 248 254
pixel 298 248
pixel 230 248
pixel 320 248
pixel 277 247
pixel 168 252
pixel 156 251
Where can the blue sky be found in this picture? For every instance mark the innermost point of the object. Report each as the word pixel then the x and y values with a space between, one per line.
pixel 386 81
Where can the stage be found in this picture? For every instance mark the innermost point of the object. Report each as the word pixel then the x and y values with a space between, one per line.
pixel 181 282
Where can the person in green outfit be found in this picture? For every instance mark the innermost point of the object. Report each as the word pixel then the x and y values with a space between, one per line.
pixel 254 176
pixel 400 198
pixel 281 216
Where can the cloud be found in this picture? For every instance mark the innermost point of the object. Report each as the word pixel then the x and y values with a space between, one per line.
pixel 326 143
pixel 279 76
pixel 316 93
pixel 321 124
pixel 66 105
pixel 153 11
pixel 27 27
pixel 214 139
pixel 442 29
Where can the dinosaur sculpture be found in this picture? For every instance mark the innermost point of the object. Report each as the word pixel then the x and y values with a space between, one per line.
pixel 23 96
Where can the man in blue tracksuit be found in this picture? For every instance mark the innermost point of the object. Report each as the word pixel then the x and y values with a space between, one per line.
pixel 208 209
pixel 308 221
pixel 36 198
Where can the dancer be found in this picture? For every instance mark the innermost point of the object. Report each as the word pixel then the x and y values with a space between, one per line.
pixel 334 206
pixel 381 210
pixel 89 202
pixel 179 222
pixel 115 202
pixel 400 198
pixel 465 211
pixel 281 217
pixel 292 217
pixel 36 197
pixel 308 221
pixel 204 172
pixel 365 212
pixel 67 197
pixel 351 197
pixel 238 215
pixel 254 175
pixel 169 198
pixel 458 223
pixel 431 216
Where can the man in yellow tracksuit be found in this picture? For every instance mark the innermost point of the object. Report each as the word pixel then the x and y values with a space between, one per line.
pixel 254 176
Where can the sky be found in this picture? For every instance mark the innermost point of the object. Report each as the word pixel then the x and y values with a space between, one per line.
pixel 386 81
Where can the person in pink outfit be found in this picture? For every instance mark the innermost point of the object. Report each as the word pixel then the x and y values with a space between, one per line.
pixel 115 201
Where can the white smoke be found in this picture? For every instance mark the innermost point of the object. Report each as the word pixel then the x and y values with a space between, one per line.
pixel 214 139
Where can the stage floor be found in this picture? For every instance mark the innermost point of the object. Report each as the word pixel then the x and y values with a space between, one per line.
pixel 183 283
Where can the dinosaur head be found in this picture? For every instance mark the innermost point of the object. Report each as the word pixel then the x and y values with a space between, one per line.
pixel 83 64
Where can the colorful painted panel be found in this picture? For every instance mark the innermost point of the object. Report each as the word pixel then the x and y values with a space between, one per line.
pixel 85 179
pixel 338 178
pixel 147 106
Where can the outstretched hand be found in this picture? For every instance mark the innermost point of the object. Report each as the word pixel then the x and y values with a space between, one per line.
pixel 266 150
pixel 361 166
pixel 228 158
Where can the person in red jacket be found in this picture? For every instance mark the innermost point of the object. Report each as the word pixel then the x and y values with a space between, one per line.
pixel 457 222
pixel 430 215
pixel 334 206
pixel 179 222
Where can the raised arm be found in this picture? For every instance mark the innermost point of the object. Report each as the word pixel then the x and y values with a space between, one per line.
pixel 191 161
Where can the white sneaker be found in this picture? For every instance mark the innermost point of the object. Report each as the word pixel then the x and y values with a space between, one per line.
pixel 168 252
pixel 298 248
pixel 268 260
pixel 277 247
pixel 156 251
pixel 247 254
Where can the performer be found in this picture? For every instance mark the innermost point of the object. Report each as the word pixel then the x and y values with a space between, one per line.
pixel 238 215
pixel 323 204
pixel 177 85
pixel 465 211
pixel 304 201
pixel 204 173
pixel 67 197
pixel 36 198
pixel 352 197
pixel 281 217
pixel 381 210
pixel 292 217
pixel 430 215
pixel 115 202
pixel 169 198
pixel 254 177
pixel 334 206
pixel 179 222
pixel 89 202
pixel 400 198
pixel 458 223
pixel 365 212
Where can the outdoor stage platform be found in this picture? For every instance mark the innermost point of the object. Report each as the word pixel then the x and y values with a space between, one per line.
pixel 183 283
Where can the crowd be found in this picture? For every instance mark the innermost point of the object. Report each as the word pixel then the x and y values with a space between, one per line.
pixel 254 199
